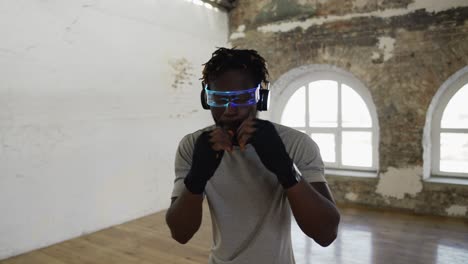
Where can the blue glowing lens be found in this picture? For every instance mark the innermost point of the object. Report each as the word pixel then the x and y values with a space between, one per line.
pixel 233 98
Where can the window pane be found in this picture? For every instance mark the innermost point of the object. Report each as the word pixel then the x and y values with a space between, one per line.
pixel 294 112
pixel 326 143
pixel 323 103
pixel 456 113
pixel 354 111
pixel 451 253
pixel 454 152
pixel 357 149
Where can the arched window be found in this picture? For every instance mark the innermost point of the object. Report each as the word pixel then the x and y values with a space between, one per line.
pixel 449 127
pixel 335 109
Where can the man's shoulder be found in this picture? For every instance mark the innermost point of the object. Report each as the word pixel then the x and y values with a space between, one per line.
pixel 285 131
pixel 191 137
pixel 293 137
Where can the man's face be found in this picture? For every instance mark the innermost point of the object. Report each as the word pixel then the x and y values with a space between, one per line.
pixel 231 117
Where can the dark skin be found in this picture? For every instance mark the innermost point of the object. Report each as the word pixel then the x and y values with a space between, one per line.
pixel 312 204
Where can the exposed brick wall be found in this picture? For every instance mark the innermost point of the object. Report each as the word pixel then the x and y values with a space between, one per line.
pixel 402 55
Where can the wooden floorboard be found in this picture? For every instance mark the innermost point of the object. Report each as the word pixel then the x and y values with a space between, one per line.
pixel 366 235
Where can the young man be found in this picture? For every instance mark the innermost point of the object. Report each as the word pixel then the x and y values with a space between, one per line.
pixel 252 171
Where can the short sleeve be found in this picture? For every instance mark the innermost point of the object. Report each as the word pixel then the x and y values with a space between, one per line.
pixel 183 162
pixel 306 156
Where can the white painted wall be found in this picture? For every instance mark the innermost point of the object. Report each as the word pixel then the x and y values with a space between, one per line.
pixel 90 115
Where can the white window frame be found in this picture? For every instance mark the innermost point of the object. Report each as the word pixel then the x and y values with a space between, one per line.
pixel 290 82
pixel 440 101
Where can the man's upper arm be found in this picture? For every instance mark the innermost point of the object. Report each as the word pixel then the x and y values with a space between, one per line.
pixel 307 158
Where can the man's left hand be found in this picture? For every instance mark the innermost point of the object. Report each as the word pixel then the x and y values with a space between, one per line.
pixel 270 148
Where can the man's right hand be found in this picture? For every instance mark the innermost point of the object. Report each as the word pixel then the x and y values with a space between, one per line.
pixel 207 154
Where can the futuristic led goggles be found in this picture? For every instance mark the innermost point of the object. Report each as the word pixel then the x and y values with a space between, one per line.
pixel 258 96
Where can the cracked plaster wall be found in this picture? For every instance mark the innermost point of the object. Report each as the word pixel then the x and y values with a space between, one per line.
pixel 401 50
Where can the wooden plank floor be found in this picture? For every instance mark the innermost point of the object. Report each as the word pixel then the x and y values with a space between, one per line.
pixel 365 236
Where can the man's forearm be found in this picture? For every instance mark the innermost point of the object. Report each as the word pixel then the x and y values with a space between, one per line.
pixel 184 216
pixel 317 216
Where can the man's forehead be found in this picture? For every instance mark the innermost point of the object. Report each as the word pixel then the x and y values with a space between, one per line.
pixel 233 80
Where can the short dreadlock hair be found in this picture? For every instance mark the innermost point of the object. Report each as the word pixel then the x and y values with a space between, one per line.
pixel 224 59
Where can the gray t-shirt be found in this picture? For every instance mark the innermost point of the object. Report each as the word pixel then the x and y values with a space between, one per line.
pixel 249 209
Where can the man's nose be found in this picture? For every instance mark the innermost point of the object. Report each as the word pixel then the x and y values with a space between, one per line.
pixel 230 108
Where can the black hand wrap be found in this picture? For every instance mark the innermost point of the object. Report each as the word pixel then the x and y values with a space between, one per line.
pixel 205 161
pixel 272 153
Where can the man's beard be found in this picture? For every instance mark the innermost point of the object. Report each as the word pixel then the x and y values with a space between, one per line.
pixel 229 125
pixel 234 124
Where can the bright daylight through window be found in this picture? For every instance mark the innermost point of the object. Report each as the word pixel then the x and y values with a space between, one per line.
pixel 338 119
